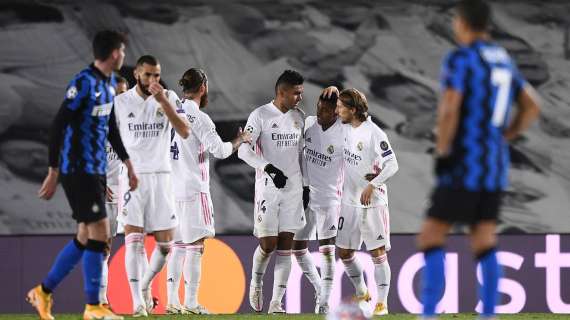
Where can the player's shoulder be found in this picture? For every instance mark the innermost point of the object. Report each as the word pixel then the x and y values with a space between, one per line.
pixel 310 122
pixel 457 55
pixel 374 129
pixel 125 96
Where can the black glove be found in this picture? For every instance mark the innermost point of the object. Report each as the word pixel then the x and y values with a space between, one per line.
pixel 443 165
pixel 279 179
pixel 306 192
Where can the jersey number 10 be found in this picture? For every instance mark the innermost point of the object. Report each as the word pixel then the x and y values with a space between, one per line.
pixel 501 78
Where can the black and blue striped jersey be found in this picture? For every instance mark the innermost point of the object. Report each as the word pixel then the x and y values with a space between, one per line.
pixel 84 123
pixel 489 82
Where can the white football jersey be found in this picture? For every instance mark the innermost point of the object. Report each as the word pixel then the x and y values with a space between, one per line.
pixel 366 150
pixel 190 157
pixel 145 130
pixel 323 162
pixel 277 138
pixel 114 165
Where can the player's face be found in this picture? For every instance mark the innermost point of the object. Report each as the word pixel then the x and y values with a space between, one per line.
pixel 121 87
pixel 292 95
pixel 459 29
pixel 345 113
pixel 119 57
pixel 147 74
pixel 326 114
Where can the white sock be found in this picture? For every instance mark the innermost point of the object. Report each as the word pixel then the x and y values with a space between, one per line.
pixel 134 244
pixel 104 281
pixel 354 272
pixel 281 274
pixel 157 261
pixel 260 262
pixel 382 274
pixel 328 262
pixel 192 275
pixel 174 272
pixel 305 261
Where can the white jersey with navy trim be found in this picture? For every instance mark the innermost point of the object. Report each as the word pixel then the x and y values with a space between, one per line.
pixel 191 156
pixel 145 130
pixel 367 150
pixel 323 160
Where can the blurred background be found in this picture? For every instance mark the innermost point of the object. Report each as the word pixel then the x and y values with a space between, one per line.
pixel 390 50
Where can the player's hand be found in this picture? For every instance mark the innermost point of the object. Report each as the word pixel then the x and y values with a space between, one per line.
pixel 442 165
pixel 49 186
pixel 329 91
pixel 370 176
pixel 158 92
pixel 306 197
pixel 366 195
pixel 133 179
pixel 244 136
pixel 279 179
pixel 109 194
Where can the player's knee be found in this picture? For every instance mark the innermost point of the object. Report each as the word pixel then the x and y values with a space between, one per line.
pixel 378 251
pixel 164 247
pixel 345 254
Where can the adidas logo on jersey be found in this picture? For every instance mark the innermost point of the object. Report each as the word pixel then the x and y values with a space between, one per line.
pixel 173 217
pixel 131 115
pixel 332 228
pixel 309 139
pixel 275 126
pixel 380 237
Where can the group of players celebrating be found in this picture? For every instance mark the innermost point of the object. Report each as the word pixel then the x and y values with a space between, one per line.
pixel 139 158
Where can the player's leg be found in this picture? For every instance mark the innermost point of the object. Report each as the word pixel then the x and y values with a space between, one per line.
pixel 431 241
pixel 41 296
pixel 160 218
pixel 483 244
pixel 282 271
pixel 132 217
pixel 327 225
pixel 175 263
pixel 376 236
pixel 157 261
pixel 349 239
pixel 195 231
pixel 265 228
pixel 112 209
pixel 302 254
pixel 174 269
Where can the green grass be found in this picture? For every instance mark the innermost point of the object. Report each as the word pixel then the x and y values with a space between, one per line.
pixel 461 316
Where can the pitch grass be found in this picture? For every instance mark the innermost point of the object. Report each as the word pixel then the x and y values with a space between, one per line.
pixel 537 316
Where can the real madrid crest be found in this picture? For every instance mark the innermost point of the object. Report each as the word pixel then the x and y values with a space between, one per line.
pixel 159 112
pixel 330 149
pixel 360 146
pixel 296 125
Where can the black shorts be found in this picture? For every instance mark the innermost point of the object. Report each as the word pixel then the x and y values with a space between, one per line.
pixel 86 196
pixel 462 206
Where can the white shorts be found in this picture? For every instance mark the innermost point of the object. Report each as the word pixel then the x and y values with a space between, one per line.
pixel 323 220
pixel 151 205
pixel 196 219
pixel 277 210
pixel 371 225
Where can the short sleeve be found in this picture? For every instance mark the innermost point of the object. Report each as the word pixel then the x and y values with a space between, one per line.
pixel 454 70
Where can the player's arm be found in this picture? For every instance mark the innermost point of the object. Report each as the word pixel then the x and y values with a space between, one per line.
pixel 448 112
pixel 116 142
pixel 211 140
pixel 527 111
pixel 77 91
pixel 388 165
pixel 247 153
pixel 178 123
